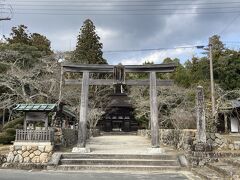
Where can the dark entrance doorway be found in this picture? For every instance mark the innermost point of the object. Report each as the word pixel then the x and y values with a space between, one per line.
pixel 117 125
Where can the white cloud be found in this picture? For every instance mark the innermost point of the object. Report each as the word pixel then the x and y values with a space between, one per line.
pixel 108 36
pixel 106 33
pixel 64 40
pixel 159 56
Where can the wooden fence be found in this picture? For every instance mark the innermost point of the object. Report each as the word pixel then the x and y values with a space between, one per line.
pixel 34 135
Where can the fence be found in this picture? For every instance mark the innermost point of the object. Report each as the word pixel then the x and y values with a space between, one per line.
pixel 34 135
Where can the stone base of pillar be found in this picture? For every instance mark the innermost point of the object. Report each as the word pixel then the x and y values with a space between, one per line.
pixel 155 151
pixel 201 154
pixel 81 150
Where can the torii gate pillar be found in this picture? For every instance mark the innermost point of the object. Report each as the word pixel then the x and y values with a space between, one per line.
pixel 154 111
pixel 82 125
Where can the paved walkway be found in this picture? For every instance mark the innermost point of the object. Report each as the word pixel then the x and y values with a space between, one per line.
pixel 119 144
pixel 40 175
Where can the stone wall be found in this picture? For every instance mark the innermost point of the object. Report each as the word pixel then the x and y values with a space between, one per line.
pixel 69 137
pixel 30 153
pixel 184 139
pixel 179 139
pixel 222 142
pixel 3 158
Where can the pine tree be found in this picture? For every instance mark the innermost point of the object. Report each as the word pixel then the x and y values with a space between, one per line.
pixel 19 35
pixel 89 47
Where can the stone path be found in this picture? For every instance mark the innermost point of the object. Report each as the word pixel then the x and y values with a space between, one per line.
pixel 40 175
pixel 120 144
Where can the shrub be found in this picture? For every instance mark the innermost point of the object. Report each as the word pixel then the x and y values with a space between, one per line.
pixel 11 131
pixel 6 138
pixel 13 124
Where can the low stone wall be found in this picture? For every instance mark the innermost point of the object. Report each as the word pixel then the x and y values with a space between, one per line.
pixel 23 152
pixel 222 142
pixel 69 137
pixel 3 158
pixel 184 139
pixel 180 139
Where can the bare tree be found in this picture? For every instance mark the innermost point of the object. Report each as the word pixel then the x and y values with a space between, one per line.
pixel 39 84
pixel 176 106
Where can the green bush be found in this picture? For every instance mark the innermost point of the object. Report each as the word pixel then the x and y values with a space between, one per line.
pixel 11 131
pixel 13 124
pixel 6 138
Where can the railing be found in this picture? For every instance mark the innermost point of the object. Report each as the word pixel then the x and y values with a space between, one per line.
pixel 34 135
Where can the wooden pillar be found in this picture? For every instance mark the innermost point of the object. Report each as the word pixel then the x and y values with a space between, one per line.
pixel 25 122
pixel 225 122
pixel 154 111
pixel 201 124
pixel 82 131
pixel 46 121
pixel 3 119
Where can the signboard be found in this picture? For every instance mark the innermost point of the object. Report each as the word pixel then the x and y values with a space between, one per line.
pixel 36 116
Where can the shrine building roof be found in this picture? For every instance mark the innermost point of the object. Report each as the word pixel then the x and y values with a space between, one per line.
pixel 35 107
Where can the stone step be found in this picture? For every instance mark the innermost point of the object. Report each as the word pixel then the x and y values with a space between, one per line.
pixel 225 169
pixel 117 156
pixel 207 173
pixel 117 133
pixel 117 167
pixel 144 162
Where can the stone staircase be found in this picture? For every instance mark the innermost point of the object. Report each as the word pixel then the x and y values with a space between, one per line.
pixel 226 168
pixel 118 133
pixel 122 162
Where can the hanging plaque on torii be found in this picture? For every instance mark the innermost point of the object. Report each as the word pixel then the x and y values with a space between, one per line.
pixel 119 72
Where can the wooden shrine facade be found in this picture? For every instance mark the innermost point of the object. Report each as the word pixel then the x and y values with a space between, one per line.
pixel 37 115
pixel 119 114
pixel 119 73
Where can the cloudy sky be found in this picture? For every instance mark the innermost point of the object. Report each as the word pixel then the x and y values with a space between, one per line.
pixel 131 25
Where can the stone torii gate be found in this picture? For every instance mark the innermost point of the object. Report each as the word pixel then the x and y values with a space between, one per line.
pixel 118 78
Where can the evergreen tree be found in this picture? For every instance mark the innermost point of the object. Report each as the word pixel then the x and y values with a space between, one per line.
pixel 89 47
pixel 217 46
pixel 19 35
pixel 41 43
pixel 24 49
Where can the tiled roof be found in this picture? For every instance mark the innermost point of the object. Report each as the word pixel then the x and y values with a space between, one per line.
pixel 119 100
pixel 35 107
pixel 68 112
